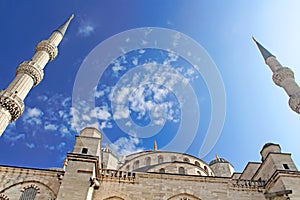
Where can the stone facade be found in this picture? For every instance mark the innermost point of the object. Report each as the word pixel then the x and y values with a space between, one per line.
pixel 84 178
pixel 15 180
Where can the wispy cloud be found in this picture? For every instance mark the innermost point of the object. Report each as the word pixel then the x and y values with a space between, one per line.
pixel 125 146
pixel 50 127
pixel 30 145
pixel 33 116
pixel 86 30
pixel 83 116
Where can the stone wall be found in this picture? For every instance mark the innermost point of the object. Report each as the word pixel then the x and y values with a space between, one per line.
pixel 14 181
pixel 147 186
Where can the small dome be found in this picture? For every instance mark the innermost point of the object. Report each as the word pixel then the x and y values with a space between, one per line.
pixel 218 160
pixel 269 144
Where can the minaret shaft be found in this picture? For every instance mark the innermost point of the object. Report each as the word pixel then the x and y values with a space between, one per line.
pixel 273 63
pixel 283 77
pixel 29 74
pixel 41 58
pixel 21 85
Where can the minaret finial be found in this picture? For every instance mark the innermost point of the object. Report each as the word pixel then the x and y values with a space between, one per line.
pixel 63 28
pixel 265 53
pixel 154 146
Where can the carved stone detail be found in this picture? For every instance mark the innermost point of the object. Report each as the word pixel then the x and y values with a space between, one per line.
pixel 3 196
pixel 32 69
pixel 47 46
pixel 282 74
pixel 294 103
pixel 31 186
pixel 12 103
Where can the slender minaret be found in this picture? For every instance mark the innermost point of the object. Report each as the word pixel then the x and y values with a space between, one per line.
pixel 29 74
pixel 283 77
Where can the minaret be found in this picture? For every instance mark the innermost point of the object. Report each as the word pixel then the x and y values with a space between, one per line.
pixel 283 77
pixel 29 74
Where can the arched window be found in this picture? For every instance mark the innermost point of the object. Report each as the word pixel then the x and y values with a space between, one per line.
pixel 136 164
pixel 148 161
pixel 205 169
pixel 197 163
pixel 160 159
pixel 173 158
pixel 162 170
pixel 181 170
pixel 29 192
pixel 186 160
pixel 127 167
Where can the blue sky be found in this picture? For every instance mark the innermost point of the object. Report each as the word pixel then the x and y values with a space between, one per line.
pixel 256 110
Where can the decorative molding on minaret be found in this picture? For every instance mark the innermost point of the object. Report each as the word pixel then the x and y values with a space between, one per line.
pixel 29 74
pixel 283 77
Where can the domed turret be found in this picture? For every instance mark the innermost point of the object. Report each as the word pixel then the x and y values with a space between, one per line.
pixel 268 148
pixel 221 167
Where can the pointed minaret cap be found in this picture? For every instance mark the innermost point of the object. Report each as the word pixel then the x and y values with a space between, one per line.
pixel 63 28
pixel 154 146
pixel 265 53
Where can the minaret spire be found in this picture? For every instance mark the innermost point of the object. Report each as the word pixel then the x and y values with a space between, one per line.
pixel 283 77
pixel 264 52
pixel 63 28
pixel 29 74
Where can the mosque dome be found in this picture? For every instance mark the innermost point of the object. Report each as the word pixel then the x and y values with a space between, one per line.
pixel 166 162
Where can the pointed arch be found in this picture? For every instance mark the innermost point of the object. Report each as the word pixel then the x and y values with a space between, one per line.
pixel 31 184
pixel 114 198
pixel 183 196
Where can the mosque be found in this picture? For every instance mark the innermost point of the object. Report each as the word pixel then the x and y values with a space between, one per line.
pixel 91 172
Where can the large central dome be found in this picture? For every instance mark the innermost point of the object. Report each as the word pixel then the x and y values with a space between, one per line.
pixel 166 162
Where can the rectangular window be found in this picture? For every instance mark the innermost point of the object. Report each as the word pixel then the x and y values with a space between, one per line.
pixel 285 166
pixel 84 150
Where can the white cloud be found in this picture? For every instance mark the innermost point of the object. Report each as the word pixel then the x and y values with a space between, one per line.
pixel 148 92
pixel 125 146
pixel 83 115
pixel 33 116
pixel 117 67
pixel 50 147
pixel 63 129
pixel 61 146
pixel 51 127
pixel 86 30
pixel 121 112
pixel 100 113
pixel 135 61
pixel 12 138
pixel 30 145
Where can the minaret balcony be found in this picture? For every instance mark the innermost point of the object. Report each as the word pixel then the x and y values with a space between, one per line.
pixel 33 70
pixel 282 75
pixel 12 103
pixel 48 47
pixel 294 103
